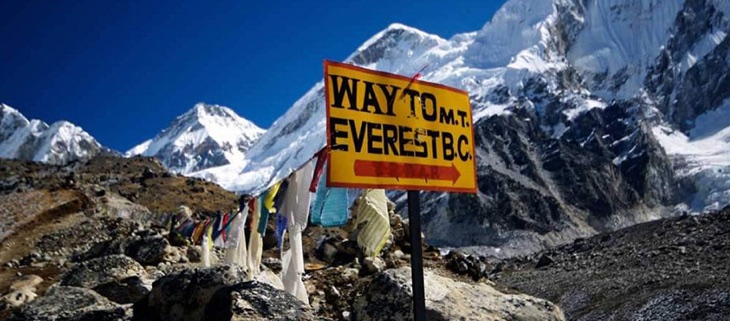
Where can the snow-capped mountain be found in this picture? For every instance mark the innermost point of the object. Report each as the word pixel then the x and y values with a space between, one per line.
pixel 589 115
pixel 34 140
pixel 205 136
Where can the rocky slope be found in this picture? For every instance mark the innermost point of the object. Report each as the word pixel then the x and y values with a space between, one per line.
pixel 672 269
pixel 91 249
pixel 34 140
pixel 141 180
pixel 205 136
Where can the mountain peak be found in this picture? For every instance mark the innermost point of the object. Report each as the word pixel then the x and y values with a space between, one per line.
pixel 207 135
pixel 202 108
pixel 7 110
pixel 386 50
pixel 399 32
pixel 213 114
pixel 400 26
pixel 11 117
pixel 35 140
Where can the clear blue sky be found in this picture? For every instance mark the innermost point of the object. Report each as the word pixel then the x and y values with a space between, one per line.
pixel 123 70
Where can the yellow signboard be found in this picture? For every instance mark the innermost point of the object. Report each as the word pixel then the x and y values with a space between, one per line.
pixel 394 132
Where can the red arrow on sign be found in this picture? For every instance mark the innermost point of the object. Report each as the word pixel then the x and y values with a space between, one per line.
pixel 395 170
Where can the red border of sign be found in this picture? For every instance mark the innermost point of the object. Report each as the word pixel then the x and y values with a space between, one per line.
pixel 328 63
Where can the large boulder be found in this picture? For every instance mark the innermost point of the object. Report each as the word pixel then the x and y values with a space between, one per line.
pixel 256 301
pixel 116 277
pixel 185 294
pixel 149 250
pixel 108 247
pixel 218 293
pixel 64 303
pixel 115 205
pixel 102 270
pixel 390 296
pixel 127 290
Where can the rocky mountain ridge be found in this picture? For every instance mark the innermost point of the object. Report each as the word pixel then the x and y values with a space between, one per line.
pixel 34 140
pixel 205 136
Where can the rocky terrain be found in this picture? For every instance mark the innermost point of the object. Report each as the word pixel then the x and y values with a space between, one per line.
pixel 86 249
pixel 80 242
pixel 670 269
pixel 141 180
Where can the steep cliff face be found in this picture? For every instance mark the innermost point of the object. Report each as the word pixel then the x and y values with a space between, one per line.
pixel 535 190
pixel 688 78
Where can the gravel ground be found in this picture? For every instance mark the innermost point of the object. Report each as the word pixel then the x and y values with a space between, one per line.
pixel 670 269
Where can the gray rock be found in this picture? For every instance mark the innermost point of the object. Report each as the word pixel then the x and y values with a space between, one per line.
pixel 185 294
pixel 118 206
pixel 26 281
pixel 123 291
pixel 272 263
pixel 269 277
pixel 109 247
pixel 102 270
pixel 326 252
pixel 194 254
pixel 148 173
pixel 64 303
pixel 462 263
pixel 18 297
pixel 172 255
pixel 389 297
pixel 372 265
pixel 148 251
pixel 255 301
pixel 545 260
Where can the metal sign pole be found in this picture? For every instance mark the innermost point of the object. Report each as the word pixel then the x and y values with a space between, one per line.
pixel 414 221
